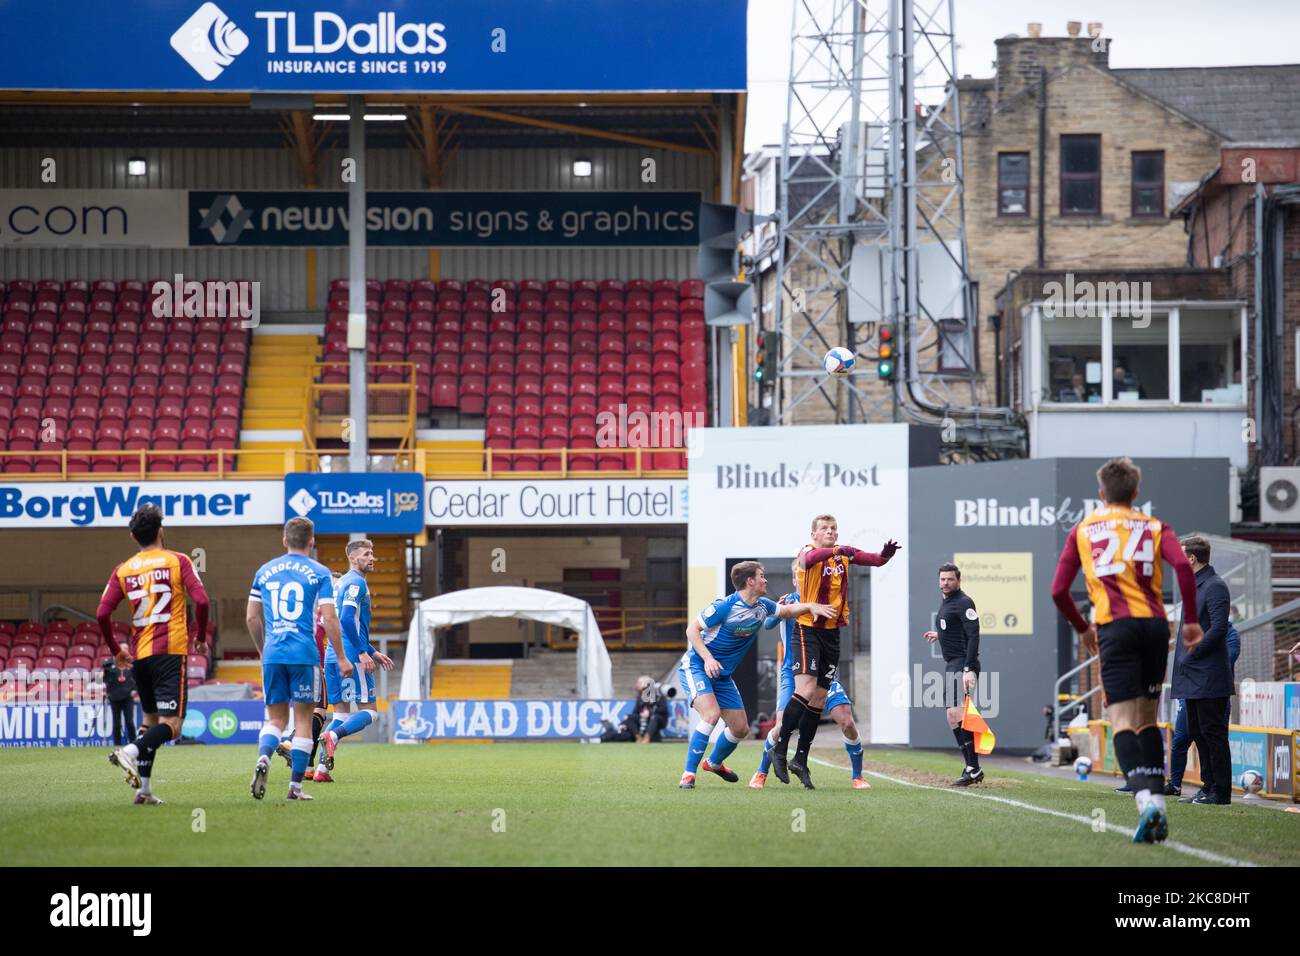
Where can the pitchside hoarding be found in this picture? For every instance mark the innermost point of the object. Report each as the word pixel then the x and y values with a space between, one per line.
pixel 519 719
pixel 91 725
pixel 177 218
pixel 60 504
pixel 413 46
pixel 754 492
pixel 561 502
pixel 1004 524
pixel 375 502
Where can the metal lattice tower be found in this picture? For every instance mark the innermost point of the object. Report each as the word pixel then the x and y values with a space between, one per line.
pixel 871 176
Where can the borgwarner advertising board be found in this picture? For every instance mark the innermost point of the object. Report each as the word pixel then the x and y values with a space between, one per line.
pixel 61 504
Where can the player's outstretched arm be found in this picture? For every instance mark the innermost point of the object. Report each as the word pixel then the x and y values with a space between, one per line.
pixel 868 558
pixel 785 611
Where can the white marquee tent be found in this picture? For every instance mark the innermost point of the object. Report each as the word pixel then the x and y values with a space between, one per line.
pixel 595 673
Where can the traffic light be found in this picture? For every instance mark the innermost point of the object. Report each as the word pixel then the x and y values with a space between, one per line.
pixel 885 353
pixel 765 358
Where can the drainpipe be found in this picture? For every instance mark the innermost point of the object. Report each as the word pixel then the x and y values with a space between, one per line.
pixel 1042 164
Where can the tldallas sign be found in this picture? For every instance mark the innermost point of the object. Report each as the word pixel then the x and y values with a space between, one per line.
pixel 359 45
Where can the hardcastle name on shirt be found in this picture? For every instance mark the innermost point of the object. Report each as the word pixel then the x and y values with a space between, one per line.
pixel 307 569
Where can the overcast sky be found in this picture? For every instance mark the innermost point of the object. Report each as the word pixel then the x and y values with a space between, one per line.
pixel 1141 33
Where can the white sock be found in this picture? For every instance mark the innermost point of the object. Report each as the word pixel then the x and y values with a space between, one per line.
pixel 294 785
pixel 1143 798
pixel 131 750
pixel 263 759
pixel 1159 800
pixel 146 786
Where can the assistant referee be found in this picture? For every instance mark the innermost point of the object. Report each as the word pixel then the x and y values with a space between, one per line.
pixel 959 640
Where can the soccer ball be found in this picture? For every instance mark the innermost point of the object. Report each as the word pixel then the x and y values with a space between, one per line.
pixel 1252 781
pixel 839 361
pixel 1083 767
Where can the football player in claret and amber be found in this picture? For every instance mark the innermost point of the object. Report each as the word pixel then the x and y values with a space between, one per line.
pixel 157 583
pixel 1120 550
pixel 822 576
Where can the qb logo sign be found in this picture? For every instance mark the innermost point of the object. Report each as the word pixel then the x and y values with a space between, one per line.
pixel 223 723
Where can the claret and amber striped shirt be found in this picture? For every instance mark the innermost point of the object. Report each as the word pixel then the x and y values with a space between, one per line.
pixel 156 582
pixel 1122 552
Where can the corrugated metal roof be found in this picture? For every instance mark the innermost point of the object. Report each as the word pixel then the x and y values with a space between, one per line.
pixel 108 126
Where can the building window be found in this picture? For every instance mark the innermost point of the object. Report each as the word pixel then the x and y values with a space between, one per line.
pixel 1072 357
pixel 1209 357
pixel 957 352
pixel 1149 183
pixel 1191 357
pixel 1013 184
pixel 1081 175
pixel 1139 365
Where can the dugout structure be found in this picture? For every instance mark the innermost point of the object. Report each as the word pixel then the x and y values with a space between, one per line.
pixel 595 675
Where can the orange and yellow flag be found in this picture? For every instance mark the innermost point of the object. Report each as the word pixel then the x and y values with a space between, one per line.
pixel 972 721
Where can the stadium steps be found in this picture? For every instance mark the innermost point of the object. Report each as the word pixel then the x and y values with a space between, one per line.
pixel 548 674
pixel 234 672
pixel 460 680
pixel 280 372
pixel 389 597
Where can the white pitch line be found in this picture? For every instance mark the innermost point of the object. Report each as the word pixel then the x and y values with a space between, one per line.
pixel 1183 848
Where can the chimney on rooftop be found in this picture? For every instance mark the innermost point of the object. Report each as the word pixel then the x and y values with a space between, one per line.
pixel 1073 27
pixel 1094 29
pixel 1035 29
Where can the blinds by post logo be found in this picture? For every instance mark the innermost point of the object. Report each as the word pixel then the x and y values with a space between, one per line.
pixel 76 909
pixel 209 41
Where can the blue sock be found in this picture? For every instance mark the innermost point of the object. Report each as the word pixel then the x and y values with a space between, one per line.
pixel 301 751
pixel 354 724
pixel 724 748
pixel 336 724
pixel 765 762
pixel 696 747
pixel 855 756
pixel 267 741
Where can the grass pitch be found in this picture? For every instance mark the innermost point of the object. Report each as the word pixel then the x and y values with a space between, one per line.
pixel 563 803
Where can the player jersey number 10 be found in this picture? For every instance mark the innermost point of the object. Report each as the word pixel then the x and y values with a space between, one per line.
pixel 1139 547
pixel 151 606
pixel 286 601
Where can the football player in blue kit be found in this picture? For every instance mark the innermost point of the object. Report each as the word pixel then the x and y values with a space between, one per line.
pixel 352 597
pixel 281 610
pixel 837 704
pixel 718 639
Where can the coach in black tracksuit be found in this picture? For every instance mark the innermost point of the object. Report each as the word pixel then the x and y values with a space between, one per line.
pixel 959 641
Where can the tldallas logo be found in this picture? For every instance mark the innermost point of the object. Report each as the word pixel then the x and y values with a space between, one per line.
pixel 302 502
pixel 209 41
